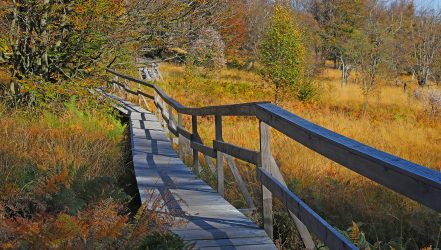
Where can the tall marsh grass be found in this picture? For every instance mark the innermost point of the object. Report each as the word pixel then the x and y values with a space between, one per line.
pixel 395 123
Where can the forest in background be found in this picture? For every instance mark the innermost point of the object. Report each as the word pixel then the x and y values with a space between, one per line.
pixel 367 69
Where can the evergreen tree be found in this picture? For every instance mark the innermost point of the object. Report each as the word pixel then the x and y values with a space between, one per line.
pixel 282 52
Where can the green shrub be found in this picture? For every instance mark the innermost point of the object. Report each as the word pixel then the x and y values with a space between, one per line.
pixel 167 241
pixel 282 52
pixel 306 91
pixel 78 190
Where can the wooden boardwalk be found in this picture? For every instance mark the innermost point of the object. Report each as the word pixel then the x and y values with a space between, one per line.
pixel 208 219
pixel 211 219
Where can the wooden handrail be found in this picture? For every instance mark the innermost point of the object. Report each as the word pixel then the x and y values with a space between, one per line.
pixel 312 220
pixel 243 109
pixel 417 182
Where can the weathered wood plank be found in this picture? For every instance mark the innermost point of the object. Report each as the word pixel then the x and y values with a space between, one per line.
pixel 180 142
pixel 240 183
pixel 233 242
pixel 184 132
pixel 243 247
pixel 219 156
pixel 265 163
pixel 203 149
pixel 242 109
pixel 216 233
pixel 236 151
pixel 160 174
pixel 301 228
pixel 246 109
pixel 325 232
pixel 194 138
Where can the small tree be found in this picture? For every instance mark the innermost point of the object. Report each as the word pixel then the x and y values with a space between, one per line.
pixel 208 49
pixel 282 52
pixel 426 43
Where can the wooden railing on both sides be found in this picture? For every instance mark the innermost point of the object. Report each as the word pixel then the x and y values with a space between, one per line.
pixel 417 182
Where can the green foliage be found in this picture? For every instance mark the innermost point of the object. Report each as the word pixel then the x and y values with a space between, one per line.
pixel 78 190
pixel 338 20
pixel 28 176
pixel 3 50
pixel 285 231
pixel 167 241
pixel 60 40
pixel 282 52
pixel 357 236
pixel 307 91
pixel 89 122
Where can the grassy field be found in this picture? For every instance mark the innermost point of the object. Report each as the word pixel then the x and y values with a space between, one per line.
pixel 395 122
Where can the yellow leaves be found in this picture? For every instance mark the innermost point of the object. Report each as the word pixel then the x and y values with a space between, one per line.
pixel 67 228
pixel 427 248
pixel 355 232
pixel 9 245
pixel 105 220
pixel 80 9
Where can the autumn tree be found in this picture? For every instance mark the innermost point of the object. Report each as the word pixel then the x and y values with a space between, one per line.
pixel 157 26
pixel 426 44
pixel 257 14
pixel 59 39
pixel 338 20
pixel 367 46
pixel 282 52
pixel 234 27
pixel 208 49
pixel 397 56
pixel 313 42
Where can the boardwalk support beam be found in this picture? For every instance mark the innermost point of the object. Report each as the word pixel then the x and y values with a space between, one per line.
pixel 219 156
pixel 265 163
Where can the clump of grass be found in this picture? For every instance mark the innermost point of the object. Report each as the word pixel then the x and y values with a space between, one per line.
pixel 86 137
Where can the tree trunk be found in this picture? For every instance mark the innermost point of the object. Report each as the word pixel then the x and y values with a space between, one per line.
pixel 365 105
pixel 276 94
pixel 45 39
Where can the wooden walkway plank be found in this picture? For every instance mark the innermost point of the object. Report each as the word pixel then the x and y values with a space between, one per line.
pixel 209 220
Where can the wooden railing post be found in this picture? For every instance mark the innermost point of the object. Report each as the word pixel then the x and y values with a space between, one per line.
pixel 170 123
pixel 265 163
pixel 219 156
pixel 125 87
pixel 155 102
pixel 180 138
pixel 115 79
pixel 165 113
pixel 195 137
pixel 139 94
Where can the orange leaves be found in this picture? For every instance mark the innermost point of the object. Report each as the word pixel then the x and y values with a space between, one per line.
pixel 54 182
pixel 94 226
pixel 355 232
pixel 105 221
pixel 68 228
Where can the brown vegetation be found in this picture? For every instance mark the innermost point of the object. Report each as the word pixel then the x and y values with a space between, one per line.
pixel 397 123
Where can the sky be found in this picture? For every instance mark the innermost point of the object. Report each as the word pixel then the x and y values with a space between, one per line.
pixel 434 4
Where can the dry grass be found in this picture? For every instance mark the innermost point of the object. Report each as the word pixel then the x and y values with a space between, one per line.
pixel 395 123
pixel 50 139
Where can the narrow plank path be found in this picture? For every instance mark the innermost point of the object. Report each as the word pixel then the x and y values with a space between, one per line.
pixel 206 218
